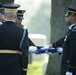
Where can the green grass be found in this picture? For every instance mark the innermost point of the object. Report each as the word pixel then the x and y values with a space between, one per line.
pixel 35 68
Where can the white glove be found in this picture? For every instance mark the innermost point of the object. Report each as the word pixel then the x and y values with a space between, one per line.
pixel 69 73
pixel 45 47
pixel 32 48
pixel 60 50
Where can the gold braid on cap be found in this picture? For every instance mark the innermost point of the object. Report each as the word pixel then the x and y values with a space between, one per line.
pixel 19 14
pixel 71 11
pixel 10 10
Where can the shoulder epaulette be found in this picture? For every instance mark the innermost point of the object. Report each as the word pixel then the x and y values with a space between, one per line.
pixel 74 28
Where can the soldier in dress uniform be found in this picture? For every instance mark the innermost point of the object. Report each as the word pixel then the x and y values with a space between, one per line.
pixel 13 44
pixel 19 19
pixel 68 64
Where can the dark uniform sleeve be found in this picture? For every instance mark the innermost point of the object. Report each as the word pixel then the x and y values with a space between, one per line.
pixel 24 49
pixel 58 43
pixel 31 43
pixel 72 56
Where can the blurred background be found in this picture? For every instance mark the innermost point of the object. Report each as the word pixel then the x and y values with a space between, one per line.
pixel 37 20
pixel 37 16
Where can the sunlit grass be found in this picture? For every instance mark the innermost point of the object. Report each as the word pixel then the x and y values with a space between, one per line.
pixel 35 68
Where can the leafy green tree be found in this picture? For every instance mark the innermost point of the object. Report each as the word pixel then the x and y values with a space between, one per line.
pixel 58 30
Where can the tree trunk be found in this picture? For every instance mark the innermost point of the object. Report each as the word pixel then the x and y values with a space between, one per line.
pixel 7 1
pixel 58 30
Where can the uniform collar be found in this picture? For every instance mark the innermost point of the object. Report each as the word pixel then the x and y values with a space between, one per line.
pixel 0 23
pixel 70 27
pixel 9 20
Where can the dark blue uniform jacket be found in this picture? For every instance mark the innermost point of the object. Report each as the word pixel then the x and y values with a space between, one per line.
pixel 10 37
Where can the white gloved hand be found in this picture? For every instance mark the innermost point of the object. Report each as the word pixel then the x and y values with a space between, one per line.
pixel 45 47
pixel 69 73
pixel 60 50
pixel 32 48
